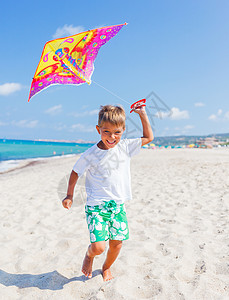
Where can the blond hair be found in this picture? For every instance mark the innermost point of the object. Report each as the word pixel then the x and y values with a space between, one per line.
pixel 112 114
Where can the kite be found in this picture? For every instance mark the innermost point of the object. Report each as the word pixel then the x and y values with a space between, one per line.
pixel 70 60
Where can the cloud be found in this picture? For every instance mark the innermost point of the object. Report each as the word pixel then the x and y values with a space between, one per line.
pixel 9 88
pixel 54 110
pixel 93 112
pixel 162 114
pixel 25 123
pixel 182 130
pixel 187 127
pixel 82 128
pixel 214 117
pixel 227 115
pixel 174 114
pixel 3 123
pixel 219 113
pixel 61 126
pixel 199 104
pixel 177 114
pixel 85 113
pixel 67 30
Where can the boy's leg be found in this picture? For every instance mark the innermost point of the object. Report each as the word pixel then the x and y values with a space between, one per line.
pixel 93 250
pixel 112 253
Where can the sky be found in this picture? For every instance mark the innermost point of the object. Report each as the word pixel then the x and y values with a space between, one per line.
pixel 179 50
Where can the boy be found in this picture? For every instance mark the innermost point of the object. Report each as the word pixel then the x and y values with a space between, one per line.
pixel 107 167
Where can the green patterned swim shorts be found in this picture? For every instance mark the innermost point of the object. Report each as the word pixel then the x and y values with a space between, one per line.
pixel 107 221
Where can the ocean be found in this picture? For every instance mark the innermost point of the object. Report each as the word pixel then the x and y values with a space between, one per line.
pixel 12 152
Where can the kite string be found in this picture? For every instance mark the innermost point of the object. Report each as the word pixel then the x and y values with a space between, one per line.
pixel 111 92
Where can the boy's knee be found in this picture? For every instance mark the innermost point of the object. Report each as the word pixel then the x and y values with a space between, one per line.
pixel 98 248
pixel 116 245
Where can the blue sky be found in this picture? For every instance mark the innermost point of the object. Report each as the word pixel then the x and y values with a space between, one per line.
pixel 178 49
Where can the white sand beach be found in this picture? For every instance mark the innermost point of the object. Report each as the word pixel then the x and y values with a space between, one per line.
pixel 179 231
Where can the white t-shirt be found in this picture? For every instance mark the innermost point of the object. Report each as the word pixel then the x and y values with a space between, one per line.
pixel 108 171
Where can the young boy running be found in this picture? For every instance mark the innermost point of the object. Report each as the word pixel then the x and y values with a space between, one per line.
pixel 108 186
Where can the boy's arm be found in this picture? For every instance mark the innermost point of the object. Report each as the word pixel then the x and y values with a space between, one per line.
pixel 67 202
pixel 147 130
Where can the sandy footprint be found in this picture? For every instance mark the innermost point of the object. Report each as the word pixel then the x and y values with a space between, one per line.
pixel 161 247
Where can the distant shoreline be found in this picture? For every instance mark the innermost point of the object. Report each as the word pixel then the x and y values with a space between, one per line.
pixel 163 140
pixel 51 140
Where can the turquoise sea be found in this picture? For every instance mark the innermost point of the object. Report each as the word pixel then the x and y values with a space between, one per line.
pixel 13 151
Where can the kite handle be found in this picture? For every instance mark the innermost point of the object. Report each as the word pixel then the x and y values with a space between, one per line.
pixel 139 103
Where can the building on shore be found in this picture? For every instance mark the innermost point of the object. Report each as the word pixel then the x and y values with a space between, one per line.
pixel 208 142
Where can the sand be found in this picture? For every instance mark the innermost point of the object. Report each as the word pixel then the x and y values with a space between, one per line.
pixel 178 219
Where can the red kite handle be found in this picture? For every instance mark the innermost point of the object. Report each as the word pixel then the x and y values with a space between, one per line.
pixel 139 103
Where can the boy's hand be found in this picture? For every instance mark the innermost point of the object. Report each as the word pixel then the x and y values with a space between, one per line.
pixel 67 203
pixel 147 130
pixel 139 109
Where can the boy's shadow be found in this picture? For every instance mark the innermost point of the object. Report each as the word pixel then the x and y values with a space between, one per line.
pixel 50 281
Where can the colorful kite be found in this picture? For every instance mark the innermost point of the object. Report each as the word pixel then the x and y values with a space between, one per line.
pixel 70 60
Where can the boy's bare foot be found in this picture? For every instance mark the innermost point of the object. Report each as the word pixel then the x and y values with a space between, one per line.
pixel 107 274
pixel 87 265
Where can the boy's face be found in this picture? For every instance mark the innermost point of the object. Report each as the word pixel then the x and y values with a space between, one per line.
pixel 110 134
